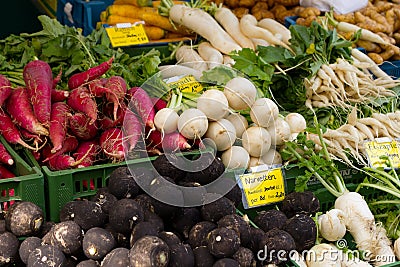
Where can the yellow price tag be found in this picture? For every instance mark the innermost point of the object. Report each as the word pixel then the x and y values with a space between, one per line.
pixel 382 147
pixel 263 188
pixel 187 84
pixel 126 36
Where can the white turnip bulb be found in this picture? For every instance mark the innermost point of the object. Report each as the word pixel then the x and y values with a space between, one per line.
pixel 235 157
pixel 279 131
pixel 222 132
pixel 192 123
pixel 296 121
pixel 272 157
pixel 255 161
pixel 256 140
pixel 331 225
pixel 264 112
pixel 214 104
pixel 240 92
pixel 166 120
pixel 239 122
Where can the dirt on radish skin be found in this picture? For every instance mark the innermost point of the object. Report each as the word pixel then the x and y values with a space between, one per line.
pixel 58 124
pixel 111 143
pixel 80 100
pixel 118 86
pixel 80 126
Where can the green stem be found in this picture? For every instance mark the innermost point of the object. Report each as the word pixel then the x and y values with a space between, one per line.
pixel 379 202
pixel 379 187
pixel 92 60
pixel 382 176
pixel 16 81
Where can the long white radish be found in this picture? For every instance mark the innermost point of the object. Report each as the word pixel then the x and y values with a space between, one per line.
pixel 248 25
pixel 166 120
pixel 230 23
pixel 256 140
pixel 264 112
pixel 192 123
pixel 239 122
pixel 240 92
pixel 187 56
pixel 222 132
pixel 205 25
pixel 228 61
pixel 378 72
pixel 366 35
pixel 236 157
pixel 214 104
pixel 210 54
pixel 259 42
pixel 275 28
pixel 168 71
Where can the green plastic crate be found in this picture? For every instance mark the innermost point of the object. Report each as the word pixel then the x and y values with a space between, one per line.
pixel 28 184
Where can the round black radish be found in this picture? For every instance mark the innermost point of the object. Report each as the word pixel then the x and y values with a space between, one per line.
pixel 235 195
pixel 184 219
pixel 203 257
pixel 67 236
pixel 122 184
pixel 245 257
pixel 46 227
pixel 198 234
pixel 70 262
pixel 154 219
pixel 169 165
pixel 300 202
pixel 239 224
pixel 169 195
pixel 88 263
pixel 8 248
pixel 164 210
pixel 217 209
pixel 157 182
pixel 169 237
pixel 303 230
pixel 2 226
pixel 125 215
pixel 46 255
pixel 143 229
pixel 268 219
pixel 97 242
pixel 256 235
pixel 145 201
pixel 207 169
pixel 277 244
pixel 120 239
pixel 89 214
pixel 149 251
pixel 181 255
pixel 27 246
pixel 67 212
pixel 105 199
pixel 118 257
pixel 226 262
pixel 24 218
pixel 223 242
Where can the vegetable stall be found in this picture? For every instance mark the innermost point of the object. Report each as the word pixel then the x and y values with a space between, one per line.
pixel 242 142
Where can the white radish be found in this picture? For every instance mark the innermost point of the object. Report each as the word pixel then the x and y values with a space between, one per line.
pixel 228 61
pixel 279 132
pixel 192 123
pixel 272 157
pixel 331 225
pixel 264 112
pixel 205 25
pixel 240 92
pixel 230 23
pixel 214 104
pixel 296 121
pixel 187 56
pixel 275 28
pixel 239 122
pixel 259 42
pixel 222 132
pixel 256 140
pixel 323 255
pixel 255 161
pixel 396 247
pixel 168 71
pixel 166 120
pixel 248 25
pixel 378 72
pixel 366 35
pixel 210 54
pixel 383 248
pixel 236 157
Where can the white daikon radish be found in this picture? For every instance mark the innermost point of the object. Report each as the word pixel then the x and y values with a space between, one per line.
pixel 331 225
pixel 240 92
pixel 222 132
pixel 228 61
pixel 279 132
pixel 296 121
pixel 239 122
pixel 166 120
pixel 187 56
pixel 236 157
pixel 168 71
pixel 272 157
pixel 192 123
pixel 264 112
pixel 275 28
pixel 210 54
pixel 256 140
pixel 213 104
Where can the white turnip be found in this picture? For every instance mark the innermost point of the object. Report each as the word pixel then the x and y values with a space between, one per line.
pixel 236 157
pixel 272 157
pixel 279 132
pixel 323 255
pixel 239 122
pixel 192 123
pixel 256 140
pixel 254 162
pixel 240 92
pixel 166 120
pixel 331 225
pixel 222 132
pixel 264 112
pixel 296 122
pixel 213 104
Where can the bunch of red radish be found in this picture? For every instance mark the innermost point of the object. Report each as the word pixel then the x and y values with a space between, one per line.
pixel 97 118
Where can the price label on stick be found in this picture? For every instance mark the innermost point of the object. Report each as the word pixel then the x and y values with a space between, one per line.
pixel 262 188
pixel 186 83
pixel 127 34
pixel 382 147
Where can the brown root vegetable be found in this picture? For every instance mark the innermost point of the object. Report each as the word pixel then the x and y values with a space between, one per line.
pixel 247 3
pixel 240 11
pixel 288 3
pixel 387 54
pixel 387 38
pixel 349 17
pixel 369 46
pixel 310 11
pixel 260 11
pixel 376 58
pixel 232 3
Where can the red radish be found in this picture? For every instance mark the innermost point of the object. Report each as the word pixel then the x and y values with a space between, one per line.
pixel 80 100
pixel 111 143
pixel 57 79
pixel 143 105
pixel 5 157
pixel 158 103
pixel 61 162
pixel 38 79
pixel 33 138
pixel 20 109
pixel 70 144
pixel 5 173
pixel 5 89
pixel 37 155
pixel 98 87
pixel 108 110
pixel 132 130
pixel 79 125
pixel 10 131
pixel 106 123
pixel 79 79
pixel 58 124
pixel 118 86
pixel 171 142
pixel 59 95
pixel 87 150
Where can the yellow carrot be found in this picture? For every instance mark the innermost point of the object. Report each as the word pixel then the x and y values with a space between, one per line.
pixel 114 19
pixel 129 10
pixel 138 3
pixel 157 3
pixel 153 32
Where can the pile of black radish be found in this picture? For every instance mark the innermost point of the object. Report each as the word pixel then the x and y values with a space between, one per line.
pixel 122 225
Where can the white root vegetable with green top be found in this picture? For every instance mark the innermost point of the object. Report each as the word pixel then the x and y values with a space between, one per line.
pixel 256 140
pixel 279 131
pixel 331 225
pixel 205 25
pixel 222 132
pixel 166 120
pixel 210 54
pixel 235 157
pixel 192 123
pixel 214 104
pixel 240 92
pixel 296 121
pixel 187 56
pixel 264 112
